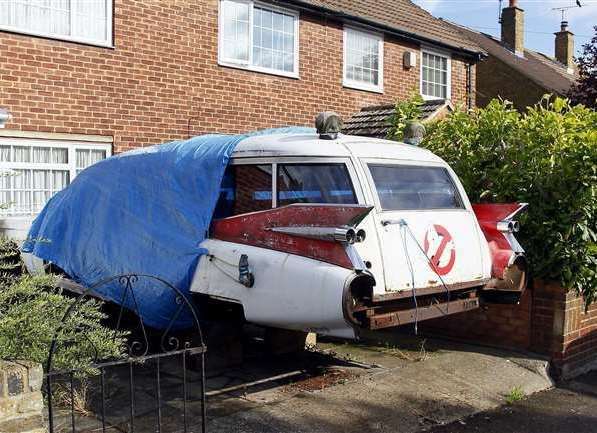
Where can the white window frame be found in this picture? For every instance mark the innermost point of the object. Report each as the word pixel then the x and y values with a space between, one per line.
pixel 380 49
pixel 108 43
pixel 448 56
pixel 71 166
pixel 249 65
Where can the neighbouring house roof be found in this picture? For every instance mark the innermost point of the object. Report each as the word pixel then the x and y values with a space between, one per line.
pixel 401 16
pixel 376 121
pixel 538 67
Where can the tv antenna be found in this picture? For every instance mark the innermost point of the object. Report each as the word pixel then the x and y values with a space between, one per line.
pixel 565 9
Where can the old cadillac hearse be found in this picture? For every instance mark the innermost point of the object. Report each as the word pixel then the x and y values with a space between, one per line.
pixel 333 234
pixel 311 232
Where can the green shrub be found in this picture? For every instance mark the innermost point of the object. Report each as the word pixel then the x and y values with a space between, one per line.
pixel 31 311
pixel 10 260
pixel 403 112
pixel 547 157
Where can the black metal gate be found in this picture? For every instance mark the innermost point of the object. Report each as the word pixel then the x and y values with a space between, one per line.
pixel 158 386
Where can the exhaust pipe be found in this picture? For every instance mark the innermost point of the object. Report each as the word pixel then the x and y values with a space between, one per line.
pixel 345 235
pixel 508 226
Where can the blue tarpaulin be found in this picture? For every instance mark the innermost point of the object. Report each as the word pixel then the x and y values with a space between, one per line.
pixel 144 212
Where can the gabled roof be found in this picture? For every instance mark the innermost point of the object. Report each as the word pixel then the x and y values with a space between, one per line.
pixel 543 70
pixel 376 121
pixel 400 16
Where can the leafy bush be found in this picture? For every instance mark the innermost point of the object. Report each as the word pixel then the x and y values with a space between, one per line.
pixel 10 260
pixel 547 157
pixel 31 311
pixel 404 112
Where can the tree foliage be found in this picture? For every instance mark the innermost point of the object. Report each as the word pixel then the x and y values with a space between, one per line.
pixel 585 90
pixel 404 112
pixel 31 313
pixel 547 157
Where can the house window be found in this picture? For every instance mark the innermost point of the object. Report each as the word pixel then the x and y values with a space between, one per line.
pixel 88 21
pixel 363 60
pixel 435 76
pixel 258 37
pixel 31 171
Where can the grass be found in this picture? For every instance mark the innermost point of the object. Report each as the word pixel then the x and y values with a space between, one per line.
pixel 515 394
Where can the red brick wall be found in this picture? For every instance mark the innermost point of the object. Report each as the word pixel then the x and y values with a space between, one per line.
pixel 549 320
pixel 496 79
pixel 494 325
pixel 163 75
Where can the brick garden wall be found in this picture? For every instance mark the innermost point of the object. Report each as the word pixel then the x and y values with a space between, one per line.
pixel 163 75
pixel 549 320
pixel 21 401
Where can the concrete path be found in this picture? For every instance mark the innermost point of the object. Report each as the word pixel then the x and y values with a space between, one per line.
pixel 405 393
pixel 570 408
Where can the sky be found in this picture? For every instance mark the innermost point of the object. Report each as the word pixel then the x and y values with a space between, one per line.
pixel 540 20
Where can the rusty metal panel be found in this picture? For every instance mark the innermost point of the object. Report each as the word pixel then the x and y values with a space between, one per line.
pixel 256 229
pixel 403 317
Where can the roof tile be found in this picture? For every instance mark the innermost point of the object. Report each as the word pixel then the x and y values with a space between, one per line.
pixel 401 15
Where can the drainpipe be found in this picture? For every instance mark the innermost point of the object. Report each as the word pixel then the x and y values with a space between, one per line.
pixel 469 85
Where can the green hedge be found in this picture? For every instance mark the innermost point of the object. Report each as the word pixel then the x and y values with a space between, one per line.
pixel 546 156
pixel 31 312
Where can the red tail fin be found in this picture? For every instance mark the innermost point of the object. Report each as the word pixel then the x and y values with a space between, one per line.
pixel 496 221
pixel 256 229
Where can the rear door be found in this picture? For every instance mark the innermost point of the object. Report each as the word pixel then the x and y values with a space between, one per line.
pixel 427 230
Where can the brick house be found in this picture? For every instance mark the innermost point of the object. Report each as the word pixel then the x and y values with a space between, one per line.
pixel 86 79
pixel 516 73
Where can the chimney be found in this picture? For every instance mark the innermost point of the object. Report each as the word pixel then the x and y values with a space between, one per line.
pixel 565 46
pixel 513 28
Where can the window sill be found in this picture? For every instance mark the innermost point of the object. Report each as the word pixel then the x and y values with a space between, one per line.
pixel 363 87
pixel 41 35
pixel 292 75
pixel 434 98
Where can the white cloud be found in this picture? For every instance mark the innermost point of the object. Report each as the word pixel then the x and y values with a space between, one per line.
pixel 429 5
pixel 443 7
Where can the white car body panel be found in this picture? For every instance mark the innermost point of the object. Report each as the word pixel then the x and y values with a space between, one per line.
pixel 290 291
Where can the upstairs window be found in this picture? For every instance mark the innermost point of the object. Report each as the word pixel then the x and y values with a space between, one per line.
pixel 87 21
pixel 363 60
pixel 258 37
pixel 31 171
pixel 435 76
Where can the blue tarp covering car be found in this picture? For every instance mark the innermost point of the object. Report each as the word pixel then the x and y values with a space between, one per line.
pixel 144 212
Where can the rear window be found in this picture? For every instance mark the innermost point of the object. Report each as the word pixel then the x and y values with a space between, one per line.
pixel 402 187
pixel 314 183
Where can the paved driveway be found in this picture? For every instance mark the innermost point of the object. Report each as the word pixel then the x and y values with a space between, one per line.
pixel 397 384
pixel 569 408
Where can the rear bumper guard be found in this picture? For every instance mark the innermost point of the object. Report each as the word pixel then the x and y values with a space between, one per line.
pixel 367 311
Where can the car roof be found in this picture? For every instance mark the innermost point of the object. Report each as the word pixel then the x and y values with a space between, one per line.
pixel 307 145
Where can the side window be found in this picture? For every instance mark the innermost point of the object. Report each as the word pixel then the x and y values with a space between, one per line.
pixel 245 188
pixel 314 183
